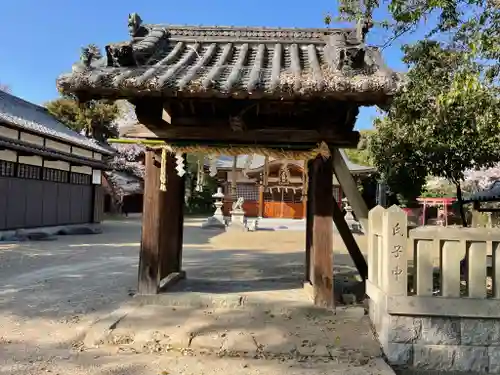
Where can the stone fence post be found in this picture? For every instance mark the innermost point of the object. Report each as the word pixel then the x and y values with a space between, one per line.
pixel 395 253
pixel 387 250
pixel 375 231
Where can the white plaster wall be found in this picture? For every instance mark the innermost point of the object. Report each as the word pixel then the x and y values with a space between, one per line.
pixel 8 155
pixel 57 146
pixel 8 132
pixel 62 165
pixel 81 169
pixel 33 139
pixel 31 160
pixel 81 152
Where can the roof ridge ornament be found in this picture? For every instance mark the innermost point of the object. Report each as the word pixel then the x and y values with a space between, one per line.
pixel 134 24
pixel 344 57
pixel 89 54
pixel 363 26
pixel 336 65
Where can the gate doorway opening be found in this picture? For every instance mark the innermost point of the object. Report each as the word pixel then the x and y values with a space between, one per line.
pixel 288 94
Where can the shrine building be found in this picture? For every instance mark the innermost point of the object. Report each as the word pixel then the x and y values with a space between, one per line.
pixel 274 188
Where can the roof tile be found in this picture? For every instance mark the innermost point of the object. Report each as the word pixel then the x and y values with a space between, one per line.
pixel 28 116
pixel 222 61
pixel 257 161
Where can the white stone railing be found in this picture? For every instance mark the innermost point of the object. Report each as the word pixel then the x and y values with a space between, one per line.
pixel 432 271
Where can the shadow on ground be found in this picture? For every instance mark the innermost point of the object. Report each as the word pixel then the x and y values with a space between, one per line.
pixel 76 275
pixel 89 274
pixel 51 291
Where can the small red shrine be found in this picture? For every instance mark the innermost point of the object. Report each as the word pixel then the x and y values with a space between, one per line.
pixel 443 208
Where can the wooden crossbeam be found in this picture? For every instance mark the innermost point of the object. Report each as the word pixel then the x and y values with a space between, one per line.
pixel 254 136
pixel 349 241
pixel 349 187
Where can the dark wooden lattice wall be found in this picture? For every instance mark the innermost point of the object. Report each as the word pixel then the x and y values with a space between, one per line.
pixel 32 196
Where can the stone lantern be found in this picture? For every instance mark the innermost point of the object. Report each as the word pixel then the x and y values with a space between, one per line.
pixel 217 219
pixel 353 224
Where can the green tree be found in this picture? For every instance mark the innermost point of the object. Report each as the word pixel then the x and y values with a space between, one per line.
pixel 198 201
pixel 94 118
pixel 444 121
pixel 469 23
pixel 397 162
pixel 361 155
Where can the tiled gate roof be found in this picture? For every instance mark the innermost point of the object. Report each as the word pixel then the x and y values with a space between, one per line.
pixel 237 62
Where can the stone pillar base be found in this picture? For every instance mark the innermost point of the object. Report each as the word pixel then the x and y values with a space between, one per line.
pixel 214 222
pixel 438 343
pixel 237 221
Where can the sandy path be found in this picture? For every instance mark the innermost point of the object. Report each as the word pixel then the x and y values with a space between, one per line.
pixel 51 291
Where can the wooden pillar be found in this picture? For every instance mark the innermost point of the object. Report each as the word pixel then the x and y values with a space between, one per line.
pixel 162 226
pixel 152 227
pixel 322 255
pixel 234 188
pixel 172 216
pixel 261 199
pixel 350 188
pixel 424 212
pixel 309 274
pixel 305 180
pixel 266 171
pixel 263 187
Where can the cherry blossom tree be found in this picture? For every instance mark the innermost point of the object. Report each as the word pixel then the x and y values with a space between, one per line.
pixel 130 156
pixel 480 179
pixel 129 159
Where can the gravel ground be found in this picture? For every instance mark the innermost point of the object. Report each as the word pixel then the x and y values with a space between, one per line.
pixel 51 291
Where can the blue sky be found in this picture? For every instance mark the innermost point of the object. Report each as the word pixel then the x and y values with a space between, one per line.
pixel 39 42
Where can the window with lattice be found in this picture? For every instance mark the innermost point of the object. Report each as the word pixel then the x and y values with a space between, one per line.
pixel 7 168
pixel 249 192
pixel 55 175
pixel 80 178
pixel 27 171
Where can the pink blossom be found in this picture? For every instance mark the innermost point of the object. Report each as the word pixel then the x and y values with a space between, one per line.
pixel 480 179
pixel 128 159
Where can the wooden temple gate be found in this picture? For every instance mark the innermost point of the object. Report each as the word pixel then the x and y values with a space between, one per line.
pixel 290 93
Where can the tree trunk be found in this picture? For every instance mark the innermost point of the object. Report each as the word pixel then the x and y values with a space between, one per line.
pixel 115 198
pixel 464 263
pixel 460 202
